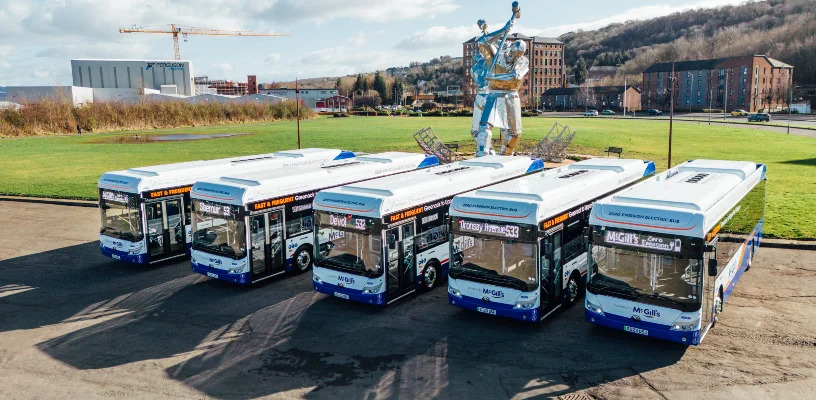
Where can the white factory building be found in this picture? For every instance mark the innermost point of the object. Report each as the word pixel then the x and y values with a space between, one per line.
pixel 307 97
pixel 134 74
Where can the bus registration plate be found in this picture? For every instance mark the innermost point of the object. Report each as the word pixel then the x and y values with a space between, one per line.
pixel 341 295
pixel 212 275
pixel 486 310
pixel 639 331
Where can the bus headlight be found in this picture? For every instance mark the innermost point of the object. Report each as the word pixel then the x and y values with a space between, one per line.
pixel 594 308
pixel 525 305
pixel 237 270
pixel 317 278
pixel 686 326
pixel 372 287
pixel 454 291
pixel 135 248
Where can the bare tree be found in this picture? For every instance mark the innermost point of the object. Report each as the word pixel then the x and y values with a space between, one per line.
pixel 586 96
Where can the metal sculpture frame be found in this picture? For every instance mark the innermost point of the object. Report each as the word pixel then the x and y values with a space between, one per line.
pixel 430 144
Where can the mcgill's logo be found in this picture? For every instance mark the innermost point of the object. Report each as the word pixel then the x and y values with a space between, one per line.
pixel 495 293
pixel 647 312
pixel 346 279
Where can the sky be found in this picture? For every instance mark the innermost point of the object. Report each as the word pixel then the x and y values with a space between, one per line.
pixel 330 37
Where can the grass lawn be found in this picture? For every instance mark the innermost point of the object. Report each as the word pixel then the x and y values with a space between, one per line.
pixel 69 166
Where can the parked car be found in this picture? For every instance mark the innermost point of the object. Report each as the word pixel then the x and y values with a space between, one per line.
pixel 607 112
pixel 761 117
pixel 591 113
pixel 655 111
pixel 739 113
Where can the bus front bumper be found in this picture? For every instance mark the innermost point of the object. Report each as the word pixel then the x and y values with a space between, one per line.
pixel 377 299
pixel 241 279
pixel 493 308
pixel 123 255
pixel 643 328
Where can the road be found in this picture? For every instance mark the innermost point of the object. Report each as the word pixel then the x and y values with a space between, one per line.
pixel 74 324
pixel 802 125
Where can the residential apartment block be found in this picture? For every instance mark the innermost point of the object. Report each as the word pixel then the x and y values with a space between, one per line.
pixel 594 97
pixel 753 83
pixel 547 68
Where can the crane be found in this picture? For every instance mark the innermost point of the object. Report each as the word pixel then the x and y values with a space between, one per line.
pixel 176 30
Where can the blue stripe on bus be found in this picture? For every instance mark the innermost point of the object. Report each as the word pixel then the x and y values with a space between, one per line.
pixel 537 165
pixel 650 168
pixel 344 155
pixel 429 161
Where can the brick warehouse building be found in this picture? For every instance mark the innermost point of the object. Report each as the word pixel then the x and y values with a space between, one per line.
pixel 754 83
pixel 547 67
pixel 605 97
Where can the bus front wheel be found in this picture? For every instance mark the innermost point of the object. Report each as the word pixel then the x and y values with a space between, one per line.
pixel 572 290
pixel 302 260
pixel 430 276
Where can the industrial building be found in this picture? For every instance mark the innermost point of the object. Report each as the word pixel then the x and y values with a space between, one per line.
pixel 753 83
pixel 600 97
pixel 134 74
pixel 307 96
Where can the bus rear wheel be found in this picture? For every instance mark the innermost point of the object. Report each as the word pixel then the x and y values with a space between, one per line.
pixel 430 276
pixel 572 290
pixel 302 260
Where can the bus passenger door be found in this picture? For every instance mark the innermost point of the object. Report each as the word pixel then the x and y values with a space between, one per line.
pixel 266 239
pixel 707 295
pixel 551 271
pixel 175 233
pixel 408 259
pixel 394 250
pixel 155 230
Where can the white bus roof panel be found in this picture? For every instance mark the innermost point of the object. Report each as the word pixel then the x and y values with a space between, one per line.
pixel 379 197
pixel 241 189
pixel 686 200
pixel 534 198
pixel 136 180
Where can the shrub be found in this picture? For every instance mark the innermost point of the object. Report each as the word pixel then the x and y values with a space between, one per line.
pixel 51 116
pixel 341 115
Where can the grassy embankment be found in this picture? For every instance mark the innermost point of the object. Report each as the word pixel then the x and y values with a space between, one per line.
pixel 69 166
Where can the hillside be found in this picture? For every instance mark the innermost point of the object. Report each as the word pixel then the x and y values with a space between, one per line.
pixel 431 76
pixel 783 29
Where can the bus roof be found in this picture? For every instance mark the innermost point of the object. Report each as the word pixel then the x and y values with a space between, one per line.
pixel 379 197
pixel 534 198
pixel 245 188
pixel 686 200
pixel 137 180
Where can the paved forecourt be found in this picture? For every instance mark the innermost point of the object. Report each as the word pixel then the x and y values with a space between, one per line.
pixel 76 324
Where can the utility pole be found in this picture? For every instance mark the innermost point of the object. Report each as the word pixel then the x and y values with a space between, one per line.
pixel 725 98
pixel 790 100
pixel 671 114
pixel 297 106
pixel 710 91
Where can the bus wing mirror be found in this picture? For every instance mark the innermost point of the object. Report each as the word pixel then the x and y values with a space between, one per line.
pixel 712 267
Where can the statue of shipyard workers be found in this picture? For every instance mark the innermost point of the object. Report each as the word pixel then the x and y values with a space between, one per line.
pixel 498 73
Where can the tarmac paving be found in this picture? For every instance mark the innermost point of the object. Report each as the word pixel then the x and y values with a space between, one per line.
pixel 74 324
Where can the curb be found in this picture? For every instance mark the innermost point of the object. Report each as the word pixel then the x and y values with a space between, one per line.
pixel 55 202
pixel 788 244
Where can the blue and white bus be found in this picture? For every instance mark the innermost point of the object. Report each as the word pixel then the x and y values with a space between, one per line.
pixel 253 226
pixel 668 252
pixel 381 240
pixel 146 211
pixel 519 248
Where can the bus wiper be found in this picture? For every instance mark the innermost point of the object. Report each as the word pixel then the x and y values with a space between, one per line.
pixel 127 235
pixel 105 229
pixel 658 296
pixel 518 283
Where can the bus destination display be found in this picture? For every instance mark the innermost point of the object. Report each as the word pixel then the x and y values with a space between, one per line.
pixel 644 241
pixel 348 221
pixel 216 210
pixel 487 228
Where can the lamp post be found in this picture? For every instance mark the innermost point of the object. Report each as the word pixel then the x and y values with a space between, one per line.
pixel 790 99
pixel 671 114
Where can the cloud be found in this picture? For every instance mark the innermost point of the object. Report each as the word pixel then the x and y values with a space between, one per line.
pixel 6 50
pixel 437 37
pixel 5 65
pixel 219 70
pixel 273 58
pixel 357 40
pixel 320 11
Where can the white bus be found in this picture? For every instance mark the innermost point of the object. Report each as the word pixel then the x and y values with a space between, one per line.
pixel 657 248
pixel 383 239
pixel 519 248
pixel 253 226
pixel 146 211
